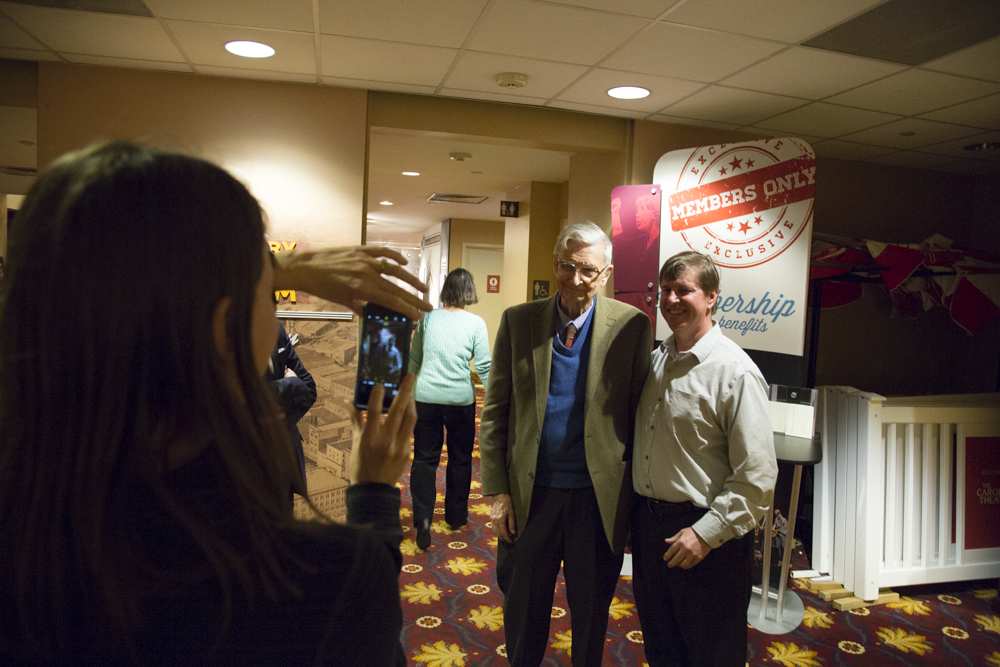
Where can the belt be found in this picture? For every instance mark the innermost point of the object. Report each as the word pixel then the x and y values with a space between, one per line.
pixel 665 508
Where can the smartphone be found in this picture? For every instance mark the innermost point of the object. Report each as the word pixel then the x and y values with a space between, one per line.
pixel 383 353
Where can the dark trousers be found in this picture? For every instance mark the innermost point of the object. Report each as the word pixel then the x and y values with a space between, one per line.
pixel 564 528
pixel 689 617
pixel 428 436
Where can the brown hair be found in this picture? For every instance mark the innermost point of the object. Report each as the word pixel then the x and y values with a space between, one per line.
pixel 704 268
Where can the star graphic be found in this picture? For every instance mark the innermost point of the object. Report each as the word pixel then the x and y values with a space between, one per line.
pixel 736 163
pixel 744 227
pixel 729 226
pixel 722 171
pixel 757 220
pixel 749 163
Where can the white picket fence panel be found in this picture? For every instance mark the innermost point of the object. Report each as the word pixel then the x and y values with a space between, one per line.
pixel 883 496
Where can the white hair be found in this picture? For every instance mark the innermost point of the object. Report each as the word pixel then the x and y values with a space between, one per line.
pixel 584 233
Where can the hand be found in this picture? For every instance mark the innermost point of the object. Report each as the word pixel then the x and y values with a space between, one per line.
pixel 350 276
pixel 502 518
pixel 289 373
pixel 687 549
pixel 381 451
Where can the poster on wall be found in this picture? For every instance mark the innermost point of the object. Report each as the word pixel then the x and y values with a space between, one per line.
pixel 749 206
pixel 982 493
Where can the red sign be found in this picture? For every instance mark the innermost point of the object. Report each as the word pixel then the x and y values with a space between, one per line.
pixel 492 284
pixel 982 493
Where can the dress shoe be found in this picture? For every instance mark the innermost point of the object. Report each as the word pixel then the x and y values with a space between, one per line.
pixel 423 534
pixel 456 527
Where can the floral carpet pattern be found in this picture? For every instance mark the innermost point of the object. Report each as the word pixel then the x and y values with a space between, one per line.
pixel 453 611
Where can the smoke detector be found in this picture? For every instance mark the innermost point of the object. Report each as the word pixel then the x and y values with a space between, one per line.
pixel 512 80
pixel 460 157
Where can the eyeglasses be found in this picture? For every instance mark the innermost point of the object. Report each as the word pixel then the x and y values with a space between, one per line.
pixel 588 273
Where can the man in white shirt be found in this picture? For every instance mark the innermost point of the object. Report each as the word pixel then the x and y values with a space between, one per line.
pixel 703 471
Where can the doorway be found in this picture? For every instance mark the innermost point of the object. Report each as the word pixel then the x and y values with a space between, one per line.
pixel 483 260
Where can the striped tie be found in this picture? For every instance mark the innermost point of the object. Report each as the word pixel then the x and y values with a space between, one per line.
pixel 569 335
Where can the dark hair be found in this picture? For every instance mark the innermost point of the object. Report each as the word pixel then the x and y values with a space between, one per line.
pixel 107 361
pixel 459 289
pixel 704 268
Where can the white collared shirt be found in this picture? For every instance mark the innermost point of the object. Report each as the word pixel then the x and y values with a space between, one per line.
pixel 703 434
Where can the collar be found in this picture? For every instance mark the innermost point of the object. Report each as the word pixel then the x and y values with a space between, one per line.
pixel 562 317
pixel 700 349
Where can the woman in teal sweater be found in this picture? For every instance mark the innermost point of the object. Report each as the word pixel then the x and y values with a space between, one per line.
pixel 444 343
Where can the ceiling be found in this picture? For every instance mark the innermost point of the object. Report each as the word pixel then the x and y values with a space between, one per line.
pixel 903 82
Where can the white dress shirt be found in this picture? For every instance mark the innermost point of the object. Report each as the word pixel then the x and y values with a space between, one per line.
pixel 703 434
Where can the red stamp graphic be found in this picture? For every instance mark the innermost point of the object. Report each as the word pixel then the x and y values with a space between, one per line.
pixel 744 203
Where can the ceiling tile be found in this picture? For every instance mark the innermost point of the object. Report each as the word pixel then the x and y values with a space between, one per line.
pixel 785 20
pixel 593 89
pixel 984 113
pixel 128 63
pixel 13 37
pixel 732 105
pixel 593 108
pixel 378 85
pixel 68 31
pixel 477 71
pixel 431 22
pixel 553 32
pixel 284 15
pixel 205 44
pixel 956 147
pixel 498 96
pixel 848 150
pixel 679 120
pixel 981 61
pixel 764 132
pixel 973 168
pixel 810 73
pixel 646 8
pixel 915 92
pixel 689 53
pixel 914 160
pixel 353 58
pixel 266 75
pixel 27 54
pixel 924 133
pixel 825 120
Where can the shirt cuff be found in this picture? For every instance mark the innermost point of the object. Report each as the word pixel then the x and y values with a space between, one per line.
pixel 713 531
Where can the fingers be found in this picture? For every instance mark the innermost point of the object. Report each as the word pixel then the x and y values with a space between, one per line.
pixel 398 421
pixel 398 271
pixel 374 412
pixel 379 251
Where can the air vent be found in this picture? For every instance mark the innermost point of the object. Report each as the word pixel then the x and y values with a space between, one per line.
pixel 457 199
pixel 18 171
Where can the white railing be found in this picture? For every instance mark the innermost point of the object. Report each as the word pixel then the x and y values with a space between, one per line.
pixel 890 496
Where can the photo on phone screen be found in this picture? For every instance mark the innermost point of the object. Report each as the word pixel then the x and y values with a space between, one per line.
pixel 383 354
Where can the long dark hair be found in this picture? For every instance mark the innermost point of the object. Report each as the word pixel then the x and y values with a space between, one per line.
pixel 119 258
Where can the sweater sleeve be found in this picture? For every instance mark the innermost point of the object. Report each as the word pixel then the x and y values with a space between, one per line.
pixel 481 351
pixel 377 505
pixel 417 346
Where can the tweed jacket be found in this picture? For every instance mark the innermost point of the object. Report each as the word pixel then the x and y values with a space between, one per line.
pixel 514 410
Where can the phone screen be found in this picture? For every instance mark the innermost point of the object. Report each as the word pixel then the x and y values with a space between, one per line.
pixel 383 353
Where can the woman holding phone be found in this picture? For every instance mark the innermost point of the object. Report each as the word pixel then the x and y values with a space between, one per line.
pixel 444 343
pixel 144 468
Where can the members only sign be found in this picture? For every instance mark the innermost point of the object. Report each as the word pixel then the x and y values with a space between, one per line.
pixel 749 206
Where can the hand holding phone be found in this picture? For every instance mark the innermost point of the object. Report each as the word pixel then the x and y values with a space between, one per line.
pixel 381 450
pixel 384 353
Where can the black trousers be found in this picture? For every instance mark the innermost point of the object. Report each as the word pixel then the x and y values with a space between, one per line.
pixel 564 528
pixel 428 436
pixel 696 616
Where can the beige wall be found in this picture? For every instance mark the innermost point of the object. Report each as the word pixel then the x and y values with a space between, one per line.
pixel 300 148
pixel 472 231
pixel 545 227
pixel 516 243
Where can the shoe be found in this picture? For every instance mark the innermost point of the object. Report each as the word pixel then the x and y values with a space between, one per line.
pixel 456 527
pixel 423 534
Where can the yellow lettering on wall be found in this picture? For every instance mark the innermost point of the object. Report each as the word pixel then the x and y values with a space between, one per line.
pixel 288 245
pixel 275 246
pixel 283 296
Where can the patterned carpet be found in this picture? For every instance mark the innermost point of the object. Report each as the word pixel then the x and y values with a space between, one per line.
pixel 453 612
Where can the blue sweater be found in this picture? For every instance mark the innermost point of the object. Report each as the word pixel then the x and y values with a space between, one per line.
pixel 562 459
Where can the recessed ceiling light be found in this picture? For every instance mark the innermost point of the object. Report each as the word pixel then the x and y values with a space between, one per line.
pixel 411 173
pixel 984 146
pixel 386 203
pixel 629 92
pixel 908 133
pixel 250 49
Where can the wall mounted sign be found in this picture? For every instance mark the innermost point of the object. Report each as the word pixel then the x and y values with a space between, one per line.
pixel 749 206
pixel 982 493
pixel 508 209
pixel 540 290
pixel 492 284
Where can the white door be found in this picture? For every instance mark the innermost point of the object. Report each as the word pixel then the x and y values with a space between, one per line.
pixel 484 260
pixel 430 272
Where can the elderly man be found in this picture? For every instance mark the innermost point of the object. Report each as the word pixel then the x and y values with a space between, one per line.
pixel 555 445
pixel 704 471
